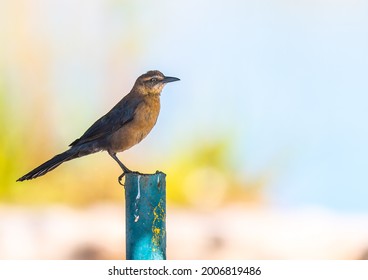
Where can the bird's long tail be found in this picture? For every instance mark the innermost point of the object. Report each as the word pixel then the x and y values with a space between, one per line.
pixel 51 164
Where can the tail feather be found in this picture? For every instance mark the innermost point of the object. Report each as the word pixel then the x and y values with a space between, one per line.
pixel 50 164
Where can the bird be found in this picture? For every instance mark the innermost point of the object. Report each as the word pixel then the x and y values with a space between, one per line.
pixel 124 126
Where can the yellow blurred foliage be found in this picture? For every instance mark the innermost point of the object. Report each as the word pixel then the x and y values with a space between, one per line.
pixel 203 175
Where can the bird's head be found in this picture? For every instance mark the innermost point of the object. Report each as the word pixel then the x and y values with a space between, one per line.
pixel 152 82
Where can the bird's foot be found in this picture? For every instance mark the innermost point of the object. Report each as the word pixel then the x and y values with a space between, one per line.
pixel 120 178
pixel 125 172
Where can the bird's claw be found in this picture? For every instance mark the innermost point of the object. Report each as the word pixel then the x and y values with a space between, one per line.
pixel 120 178
pixel 125 172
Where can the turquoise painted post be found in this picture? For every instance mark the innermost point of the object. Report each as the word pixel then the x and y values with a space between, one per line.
pixel 145 215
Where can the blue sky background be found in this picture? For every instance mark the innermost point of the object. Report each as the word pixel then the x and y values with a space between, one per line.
pixel 289 79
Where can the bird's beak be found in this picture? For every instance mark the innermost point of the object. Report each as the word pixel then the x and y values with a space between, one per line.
pixel 170 79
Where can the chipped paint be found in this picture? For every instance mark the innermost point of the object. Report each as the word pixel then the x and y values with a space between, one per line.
pixel 139 188
pixel 136 206
pixel 159 216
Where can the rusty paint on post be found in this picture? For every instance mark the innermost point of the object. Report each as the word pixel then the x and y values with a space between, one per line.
pixel 145 204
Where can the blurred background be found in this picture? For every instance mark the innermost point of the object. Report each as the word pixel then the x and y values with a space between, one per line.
pixel 264 139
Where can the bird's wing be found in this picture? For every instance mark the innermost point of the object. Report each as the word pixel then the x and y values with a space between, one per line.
pixel 120 114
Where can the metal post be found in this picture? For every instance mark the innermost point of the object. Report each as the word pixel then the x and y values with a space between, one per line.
pixel 145 204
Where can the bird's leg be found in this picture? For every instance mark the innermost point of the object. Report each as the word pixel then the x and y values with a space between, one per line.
pixel 123 167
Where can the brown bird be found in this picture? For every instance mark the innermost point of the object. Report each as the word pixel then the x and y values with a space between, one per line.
pixel 124 126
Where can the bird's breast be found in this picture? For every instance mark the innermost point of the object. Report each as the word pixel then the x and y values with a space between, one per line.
pixel 133 132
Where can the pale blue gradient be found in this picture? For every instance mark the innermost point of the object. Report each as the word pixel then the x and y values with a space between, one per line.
pixel 290 79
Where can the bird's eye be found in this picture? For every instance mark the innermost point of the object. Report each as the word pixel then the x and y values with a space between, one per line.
pixel 153 80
